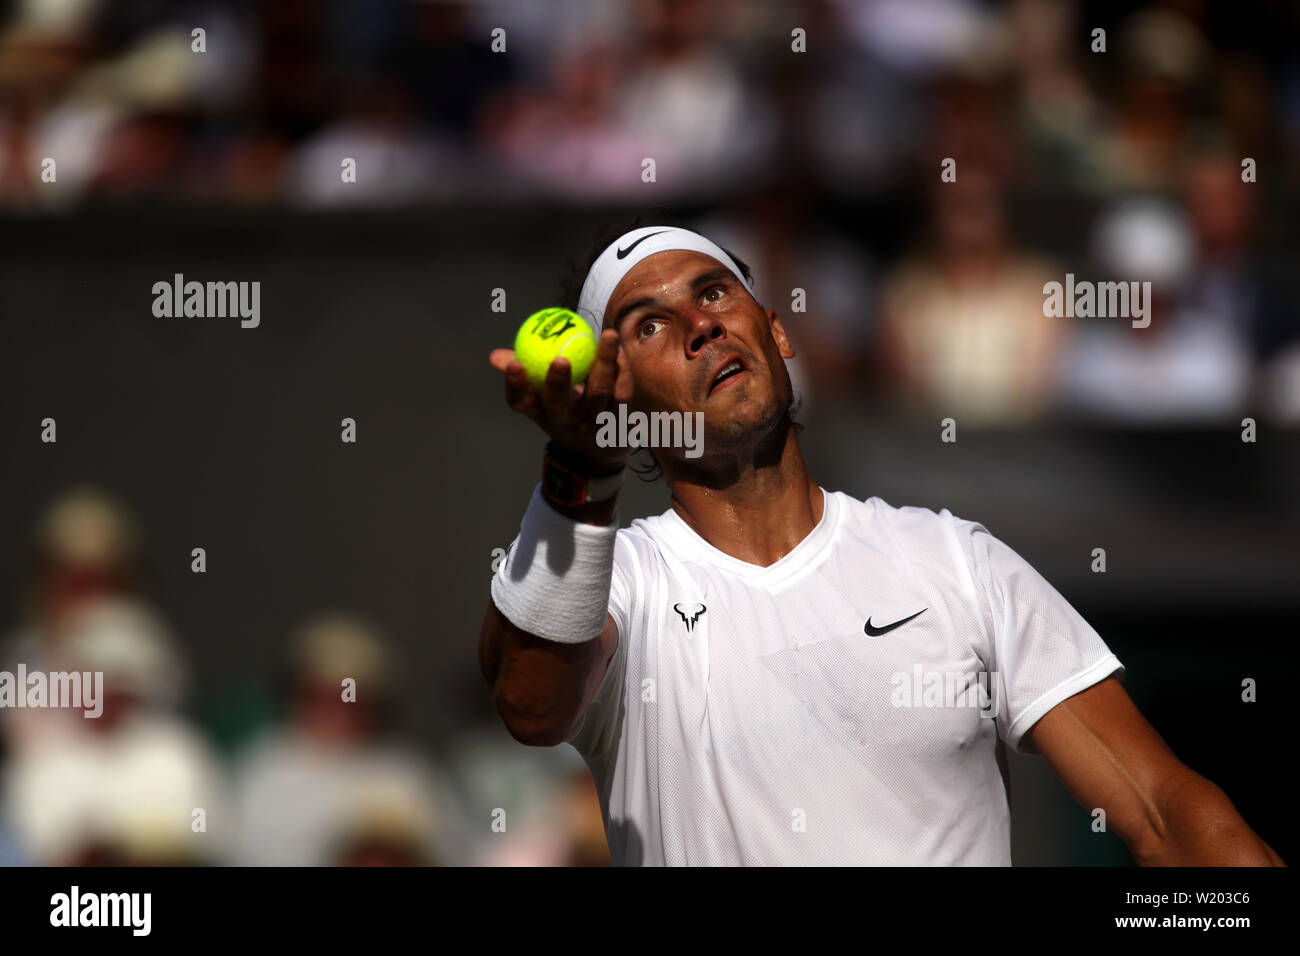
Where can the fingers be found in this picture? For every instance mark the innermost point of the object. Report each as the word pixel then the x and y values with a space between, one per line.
pixel 600 382
pixel 610 379
pixel 623 384
pixel 519 394
pixel 557 390
pixel 500 358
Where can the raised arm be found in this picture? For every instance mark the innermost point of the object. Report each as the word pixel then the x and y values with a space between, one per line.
pixel 542 685
pixel 1109 756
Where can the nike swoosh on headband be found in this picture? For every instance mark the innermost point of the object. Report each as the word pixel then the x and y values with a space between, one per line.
pixel 622 253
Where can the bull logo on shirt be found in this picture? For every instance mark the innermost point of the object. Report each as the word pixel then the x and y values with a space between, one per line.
pixel 690 621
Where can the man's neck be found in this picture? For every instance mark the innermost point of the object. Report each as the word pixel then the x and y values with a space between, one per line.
pixel 761 512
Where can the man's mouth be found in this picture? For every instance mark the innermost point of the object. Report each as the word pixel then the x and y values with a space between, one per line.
pixel 731 370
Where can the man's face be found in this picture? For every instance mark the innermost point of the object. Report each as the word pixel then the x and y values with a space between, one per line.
pixel 682 318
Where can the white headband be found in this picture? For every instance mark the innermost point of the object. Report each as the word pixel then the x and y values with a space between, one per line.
pixel 630 248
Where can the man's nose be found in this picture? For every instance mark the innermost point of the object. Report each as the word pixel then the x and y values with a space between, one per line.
pixel 703 329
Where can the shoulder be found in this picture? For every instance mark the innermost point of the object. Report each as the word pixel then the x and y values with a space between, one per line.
pixel 643 531
pixel 642 539
pixel 907 524
pixel 919 539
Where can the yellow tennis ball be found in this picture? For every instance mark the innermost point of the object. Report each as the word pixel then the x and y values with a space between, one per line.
pixel 551 334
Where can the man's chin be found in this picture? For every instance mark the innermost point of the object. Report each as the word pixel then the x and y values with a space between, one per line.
pixel 742 423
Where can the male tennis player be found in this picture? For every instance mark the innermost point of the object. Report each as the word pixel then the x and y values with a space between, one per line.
pixel 774 673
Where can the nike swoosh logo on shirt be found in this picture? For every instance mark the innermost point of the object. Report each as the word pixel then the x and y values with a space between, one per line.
pixel 877 631
pixel 622 253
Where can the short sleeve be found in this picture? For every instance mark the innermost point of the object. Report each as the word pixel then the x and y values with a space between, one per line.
pixel 596 732
pixel 1042 649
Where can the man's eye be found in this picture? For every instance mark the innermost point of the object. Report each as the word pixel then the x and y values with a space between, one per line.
pixel 714 288
pixel 647 324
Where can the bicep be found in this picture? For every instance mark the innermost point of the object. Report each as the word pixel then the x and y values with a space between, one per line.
pixel 597 720
pixel 541 687
pixel 608 646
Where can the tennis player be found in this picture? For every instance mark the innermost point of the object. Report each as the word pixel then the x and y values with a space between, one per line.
pixel 774 673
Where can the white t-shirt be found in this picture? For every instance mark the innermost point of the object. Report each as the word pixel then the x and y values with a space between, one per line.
pixel 784 715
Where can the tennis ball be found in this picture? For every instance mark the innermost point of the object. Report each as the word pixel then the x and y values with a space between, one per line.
pixel 551 334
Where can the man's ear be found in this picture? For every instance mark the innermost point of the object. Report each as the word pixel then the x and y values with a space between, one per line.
pixel 778 334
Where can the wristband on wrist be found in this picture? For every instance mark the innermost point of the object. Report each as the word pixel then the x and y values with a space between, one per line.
pixel 569 481
pixel 555 580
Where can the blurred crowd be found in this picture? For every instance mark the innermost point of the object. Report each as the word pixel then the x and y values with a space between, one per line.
pixel 312 770
pixel 1112 158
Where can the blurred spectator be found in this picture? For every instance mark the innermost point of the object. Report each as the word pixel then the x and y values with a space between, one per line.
pixel 443 59
pixel 853 143
pixel 123 787
pixel 1223 310
pixel 334 785
pixel 85 547
pixel 394 161
pixel 969 122
pixel 1233 286
pixel 1163 62
pixel 777 234
pixel 41 57
pixel 921 36
pixel 670 93
pixel 116 124
pixel 584 91
pixel 528 806
pixel 1170 368
pixel 539 34
pixel 85 544
pixel 963 328
pixel 684 92
pixel 1060 118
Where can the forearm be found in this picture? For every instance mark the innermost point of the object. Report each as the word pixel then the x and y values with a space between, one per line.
pixel 1199 826
pixel 547 635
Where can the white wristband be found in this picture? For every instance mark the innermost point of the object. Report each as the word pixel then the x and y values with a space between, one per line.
pixel 554 581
